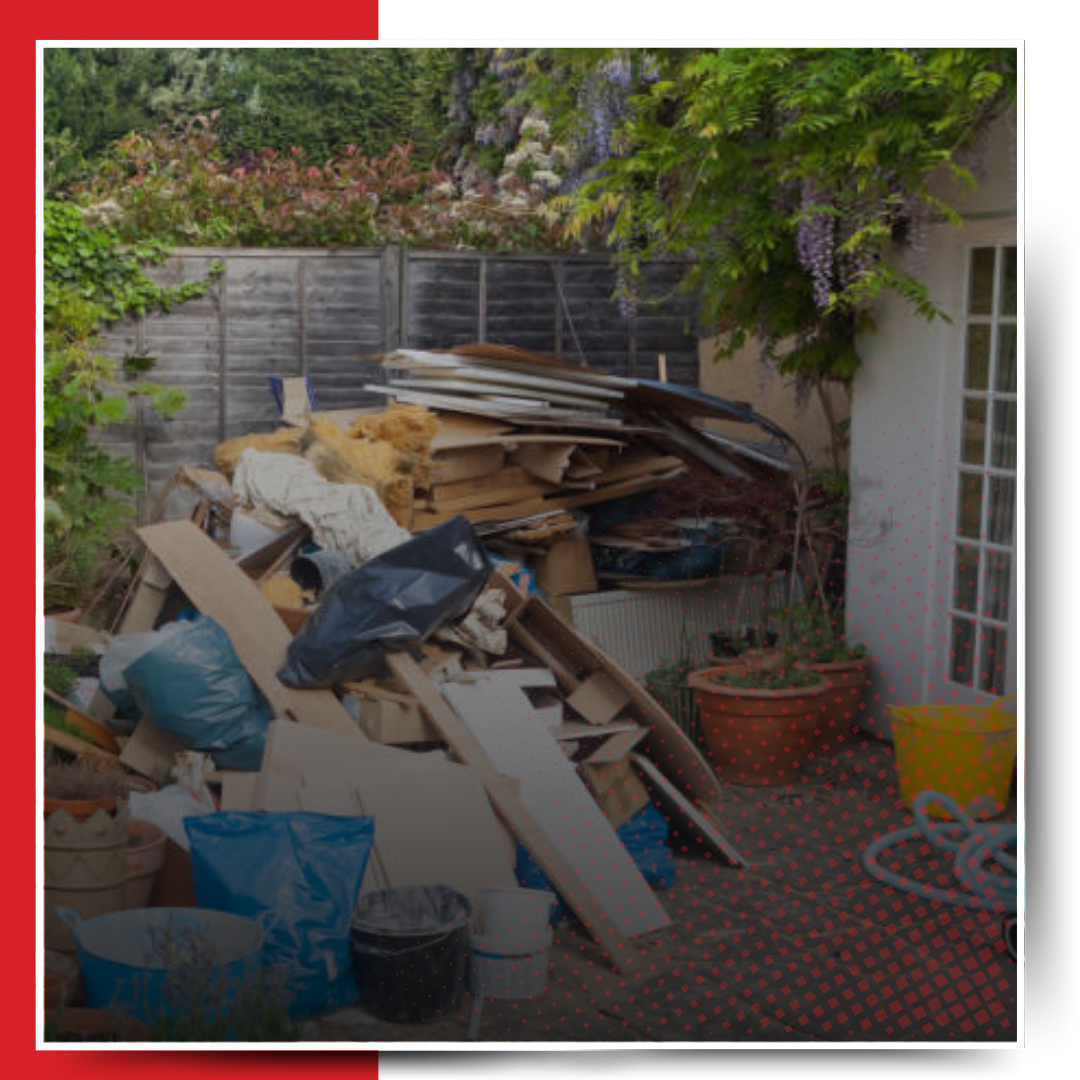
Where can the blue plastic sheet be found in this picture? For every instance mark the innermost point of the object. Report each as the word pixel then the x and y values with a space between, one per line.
pixel 195 688
pixel 644 836
pixel 305 870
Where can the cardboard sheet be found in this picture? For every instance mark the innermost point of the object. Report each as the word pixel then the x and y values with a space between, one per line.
pixel 219 589
pixel 496 710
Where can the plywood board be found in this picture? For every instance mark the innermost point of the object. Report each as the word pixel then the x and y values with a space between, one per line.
pixel 664 792
pixel 494 707
pixel 497 493
pixel 150 751
pixel 293 749
pixel 434 824
pixel 394 724
pixel 455 465
pixel 599 698
pixel 618 789
pixel 462 431
pixel 549 461
pixel 219 589
pixel 508 477
pixel 541 632
pixel 505 794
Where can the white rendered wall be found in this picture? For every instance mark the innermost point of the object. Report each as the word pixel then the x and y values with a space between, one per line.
pixel 904 432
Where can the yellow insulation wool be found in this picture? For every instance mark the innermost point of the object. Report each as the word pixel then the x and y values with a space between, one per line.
pixel 410 428
pixel 378 465
pixel 283 441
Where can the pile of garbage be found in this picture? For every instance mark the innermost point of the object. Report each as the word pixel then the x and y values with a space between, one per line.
pixel 335 678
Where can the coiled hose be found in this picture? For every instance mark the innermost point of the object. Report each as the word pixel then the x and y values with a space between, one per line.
pixel 973 844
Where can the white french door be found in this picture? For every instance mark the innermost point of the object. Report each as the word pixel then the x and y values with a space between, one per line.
pixel 980 593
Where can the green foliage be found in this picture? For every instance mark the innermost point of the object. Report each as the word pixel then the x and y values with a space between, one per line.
pixel 817 633
pixel 770 679
pixel 255 1014
pixel 320 100
pixel 59 678
pixel 181 189
pixel 90 279
pixel 794 177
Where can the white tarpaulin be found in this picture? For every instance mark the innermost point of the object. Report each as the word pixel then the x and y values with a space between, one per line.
pixel 347 518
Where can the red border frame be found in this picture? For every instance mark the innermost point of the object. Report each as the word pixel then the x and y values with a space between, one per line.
pixel 361 18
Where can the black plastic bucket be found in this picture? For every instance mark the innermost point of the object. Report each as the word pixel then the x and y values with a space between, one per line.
pixel 410 948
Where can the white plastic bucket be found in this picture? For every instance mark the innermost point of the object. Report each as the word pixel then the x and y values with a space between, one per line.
pixel 516 918
pixel 497 971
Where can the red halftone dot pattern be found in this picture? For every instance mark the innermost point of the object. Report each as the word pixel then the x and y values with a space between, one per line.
pixel 802 943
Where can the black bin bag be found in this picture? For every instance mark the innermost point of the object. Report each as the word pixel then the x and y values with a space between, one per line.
pixel 394 601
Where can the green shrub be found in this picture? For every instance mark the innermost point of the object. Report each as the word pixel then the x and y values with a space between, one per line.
pixel 91 279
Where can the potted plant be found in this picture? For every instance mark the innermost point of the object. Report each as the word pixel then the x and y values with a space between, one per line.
pixel 749 647
pixel 82 789
pixel 761 723
pixel 821 646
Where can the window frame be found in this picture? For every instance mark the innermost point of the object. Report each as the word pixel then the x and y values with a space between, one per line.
pixel 942 610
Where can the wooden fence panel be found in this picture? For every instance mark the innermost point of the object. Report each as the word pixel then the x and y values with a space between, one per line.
pixel 318 313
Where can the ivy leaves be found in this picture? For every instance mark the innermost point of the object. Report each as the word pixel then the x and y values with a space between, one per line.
pixel 91 279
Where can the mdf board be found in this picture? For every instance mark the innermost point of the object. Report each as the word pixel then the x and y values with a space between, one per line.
pixel 664 792
pixel 219 589
pixel 295 749
pixel 434 824
pixel 536 627
pixel 496 710
pixel 505 795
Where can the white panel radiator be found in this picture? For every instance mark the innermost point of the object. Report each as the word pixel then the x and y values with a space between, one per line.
pixel 644 628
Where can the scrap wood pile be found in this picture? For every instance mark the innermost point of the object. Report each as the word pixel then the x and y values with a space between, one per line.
pixel 322 625
pixel 556 465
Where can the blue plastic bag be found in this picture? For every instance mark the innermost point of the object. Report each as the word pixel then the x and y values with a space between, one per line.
pixel 306 871
pixel 194 687
pixel 645 838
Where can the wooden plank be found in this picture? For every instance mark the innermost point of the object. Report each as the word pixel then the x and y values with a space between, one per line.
pixel 496 709
pixel 665 792
pixel 496 495
pixel 505 794
pixel 666 745
pixel 219 589
pixel 475 485
pixel 72 744
pixel 88 727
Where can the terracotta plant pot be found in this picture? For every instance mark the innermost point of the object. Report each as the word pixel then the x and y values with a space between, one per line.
pixel 80 809
pixel 93 1025
pixel 145 854
pixel 61 979
pixel 757 736
pixel 845 688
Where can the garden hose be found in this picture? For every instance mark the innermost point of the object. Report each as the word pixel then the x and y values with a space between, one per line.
pixel 974 845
